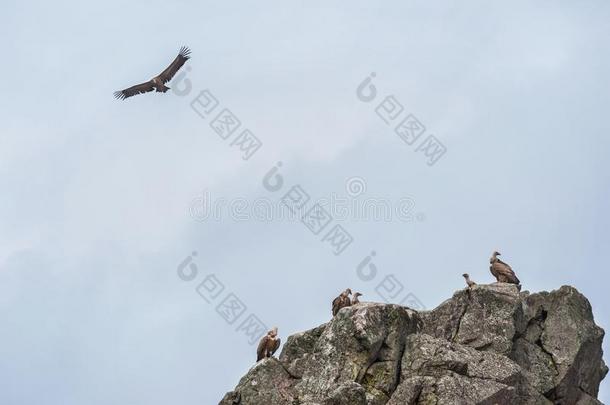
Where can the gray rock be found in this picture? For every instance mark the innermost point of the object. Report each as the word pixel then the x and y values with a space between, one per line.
pixel 561 325
pixel 437 371
pixel 491 344
pixel 486 317
pixel 348 349
pixel 298 348
pixel 267 383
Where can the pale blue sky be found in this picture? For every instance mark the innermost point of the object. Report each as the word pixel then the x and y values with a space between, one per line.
pixel 95 213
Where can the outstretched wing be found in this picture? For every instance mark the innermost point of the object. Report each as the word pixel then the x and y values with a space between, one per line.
pixel 276 346
pixel 134 90
pixel 171 70
pixel 260 351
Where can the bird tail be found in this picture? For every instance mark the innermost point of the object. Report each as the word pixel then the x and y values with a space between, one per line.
pixel 163 89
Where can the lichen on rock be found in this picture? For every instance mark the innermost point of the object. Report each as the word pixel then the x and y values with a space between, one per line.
pixel 490 344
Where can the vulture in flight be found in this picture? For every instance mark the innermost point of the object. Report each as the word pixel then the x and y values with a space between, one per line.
pixel 268 345
pixel 502 271
pixel 157 83
pixel 342 301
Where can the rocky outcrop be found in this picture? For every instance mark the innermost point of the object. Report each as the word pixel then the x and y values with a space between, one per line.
pixel 552 336
pixel 490 344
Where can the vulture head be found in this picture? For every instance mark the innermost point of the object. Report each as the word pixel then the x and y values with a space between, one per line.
pixel 356 295
pixel 465 275
pixel 273 332
pixel 347 292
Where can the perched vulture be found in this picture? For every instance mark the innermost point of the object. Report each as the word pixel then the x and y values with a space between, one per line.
pixel 502 271
pixel 157 83
pixel 468 280
pixel 268 345
pixel 355 300
pixel 342 301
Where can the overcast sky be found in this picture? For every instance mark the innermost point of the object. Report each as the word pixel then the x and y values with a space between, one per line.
pixel 103 200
